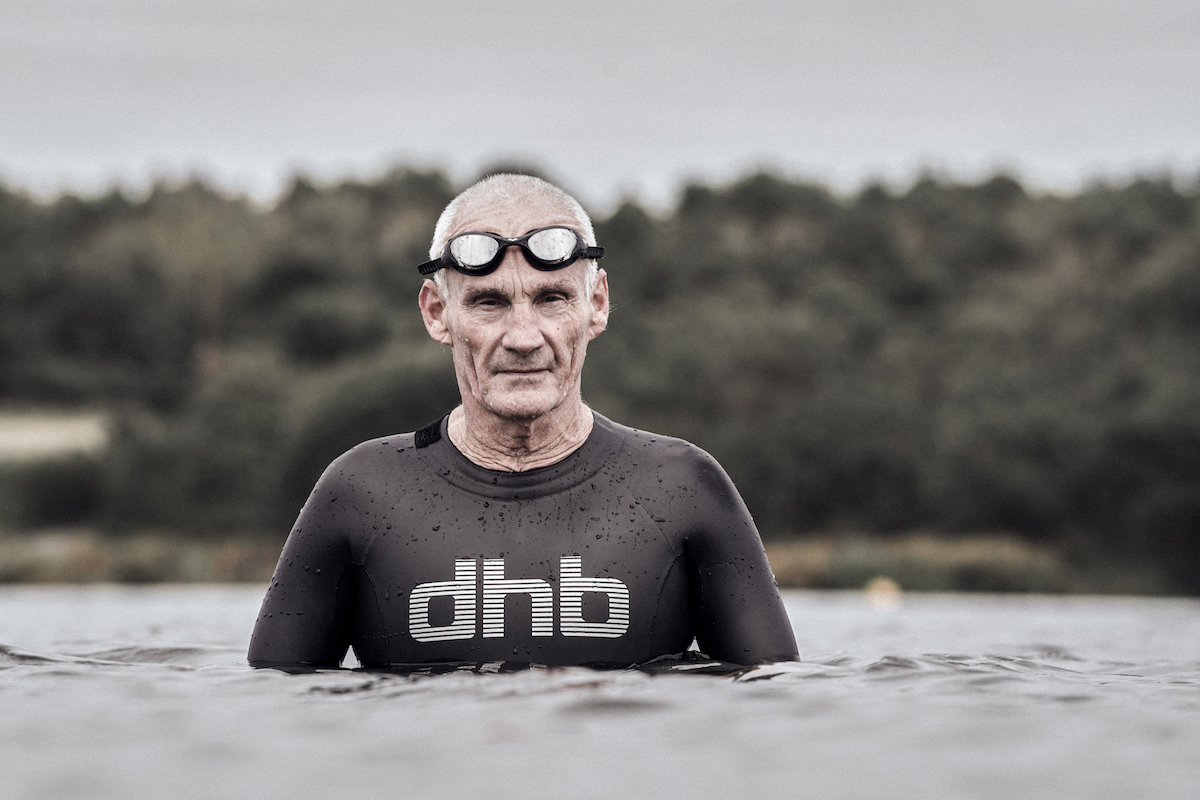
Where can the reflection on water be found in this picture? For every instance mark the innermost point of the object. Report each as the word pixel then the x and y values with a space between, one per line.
pixel 119 692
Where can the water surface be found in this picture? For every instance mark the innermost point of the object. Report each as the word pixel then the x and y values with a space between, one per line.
pixel 143 692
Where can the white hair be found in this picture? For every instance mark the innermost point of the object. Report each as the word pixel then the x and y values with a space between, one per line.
pixel 511 189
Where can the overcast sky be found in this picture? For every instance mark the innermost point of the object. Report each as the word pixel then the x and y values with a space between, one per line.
pixel 614 98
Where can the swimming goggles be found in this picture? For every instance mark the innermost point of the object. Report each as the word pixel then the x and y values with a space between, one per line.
pixel 478 253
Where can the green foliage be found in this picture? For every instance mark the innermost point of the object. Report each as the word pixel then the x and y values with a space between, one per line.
pixel 207 468
pixel 318 328
pixel 62 491
pixel 951 357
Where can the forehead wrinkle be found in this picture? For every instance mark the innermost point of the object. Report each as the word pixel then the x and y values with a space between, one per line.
pixel 516 276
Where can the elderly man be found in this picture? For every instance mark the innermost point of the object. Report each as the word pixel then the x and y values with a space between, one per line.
pixel 523 527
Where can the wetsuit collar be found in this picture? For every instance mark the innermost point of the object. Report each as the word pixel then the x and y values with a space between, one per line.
pixel 444 459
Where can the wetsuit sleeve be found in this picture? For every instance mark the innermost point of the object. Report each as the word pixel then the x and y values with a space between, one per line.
pixel 737 612
pixel 307 616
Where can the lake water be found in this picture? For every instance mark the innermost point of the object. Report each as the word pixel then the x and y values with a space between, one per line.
pixel 127 692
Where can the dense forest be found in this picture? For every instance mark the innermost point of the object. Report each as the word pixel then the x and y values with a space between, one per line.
pixel 953 358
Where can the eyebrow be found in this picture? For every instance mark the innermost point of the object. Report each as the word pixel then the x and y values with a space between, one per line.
pixel 472 294
pixel 559 288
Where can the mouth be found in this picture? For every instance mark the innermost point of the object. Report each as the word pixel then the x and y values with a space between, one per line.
pixel 519 370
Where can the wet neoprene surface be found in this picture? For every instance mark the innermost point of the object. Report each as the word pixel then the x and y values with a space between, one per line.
pixel 622 552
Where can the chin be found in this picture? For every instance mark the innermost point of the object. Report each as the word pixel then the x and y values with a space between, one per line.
pixel 522 405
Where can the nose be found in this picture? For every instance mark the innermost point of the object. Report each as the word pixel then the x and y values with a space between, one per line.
pixel 524 333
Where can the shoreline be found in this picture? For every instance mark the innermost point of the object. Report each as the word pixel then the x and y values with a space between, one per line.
pixel 912 562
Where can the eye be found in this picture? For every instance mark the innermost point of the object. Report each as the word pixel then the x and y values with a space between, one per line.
pixel 487 302
pixel 555 295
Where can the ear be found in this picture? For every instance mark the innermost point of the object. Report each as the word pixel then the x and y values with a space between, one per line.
pixel 599 306
pixel 433 312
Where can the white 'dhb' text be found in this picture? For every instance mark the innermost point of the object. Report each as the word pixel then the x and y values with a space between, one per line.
pixel 494 587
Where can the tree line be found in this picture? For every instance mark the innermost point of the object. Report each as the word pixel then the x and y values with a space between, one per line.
pixel 949 357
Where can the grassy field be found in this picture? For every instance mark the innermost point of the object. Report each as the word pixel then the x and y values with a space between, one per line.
pixel 82 555
pixel 923 561
pixel 914 562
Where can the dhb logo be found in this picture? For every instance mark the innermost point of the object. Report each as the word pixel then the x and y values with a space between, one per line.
pixel 494 587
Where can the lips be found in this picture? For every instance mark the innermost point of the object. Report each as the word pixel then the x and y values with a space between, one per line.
pixel 519 369
pixel 518 374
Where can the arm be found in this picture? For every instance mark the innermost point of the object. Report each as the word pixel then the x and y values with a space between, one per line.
pixel 737 612
pixel 307 616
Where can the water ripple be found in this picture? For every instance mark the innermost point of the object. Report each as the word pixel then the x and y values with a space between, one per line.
pixel 138 694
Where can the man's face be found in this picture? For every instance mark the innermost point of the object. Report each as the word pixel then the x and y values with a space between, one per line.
pixel 519 334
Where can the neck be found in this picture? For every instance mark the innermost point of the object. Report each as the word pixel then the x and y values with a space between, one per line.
pixel 510 445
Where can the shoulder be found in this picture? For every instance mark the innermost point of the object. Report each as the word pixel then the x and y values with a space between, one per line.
pixel 674 462
pixel 384 458
pixel 400 447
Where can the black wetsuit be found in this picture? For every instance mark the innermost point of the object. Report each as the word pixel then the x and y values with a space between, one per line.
pixel 618 554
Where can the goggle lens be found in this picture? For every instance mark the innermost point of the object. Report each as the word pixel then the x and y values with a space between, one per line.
pixel 552 245
pixel 473 250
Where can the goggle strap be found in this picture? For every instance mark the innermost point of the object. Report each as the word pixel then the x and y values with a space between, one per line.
pixel 593 252
pixel 430 267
